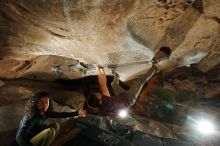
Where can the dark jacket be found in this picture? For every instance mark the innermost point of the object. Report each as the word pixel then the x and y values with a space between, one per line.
pixel 30 126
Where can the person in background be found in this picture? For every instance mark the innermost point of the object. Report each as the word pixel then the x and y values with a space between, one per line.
pixel 33 130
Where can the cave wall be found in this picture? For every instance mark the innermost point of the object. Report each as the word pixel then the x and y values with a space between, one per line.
pixel 179 99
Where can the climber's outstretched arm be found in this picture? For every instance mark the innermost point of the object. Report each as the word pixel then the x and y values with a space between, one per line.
pixel 102 81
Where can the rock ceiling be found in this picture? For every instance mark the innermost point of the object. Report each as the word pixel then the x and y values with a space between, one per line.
pixel 51 39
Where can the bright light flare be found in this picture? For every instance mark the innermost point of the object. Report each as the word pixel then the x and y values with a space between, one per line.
pixel 123 113
pixel 205 127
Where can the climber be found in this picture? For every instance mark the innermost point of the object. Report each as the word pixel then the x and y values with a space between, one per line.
pixel 33 130
pixel 102 99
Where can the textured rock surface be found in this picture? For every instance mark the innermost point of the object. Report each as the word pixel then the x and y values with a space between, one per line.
pixel 180 98
pixel 101 32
